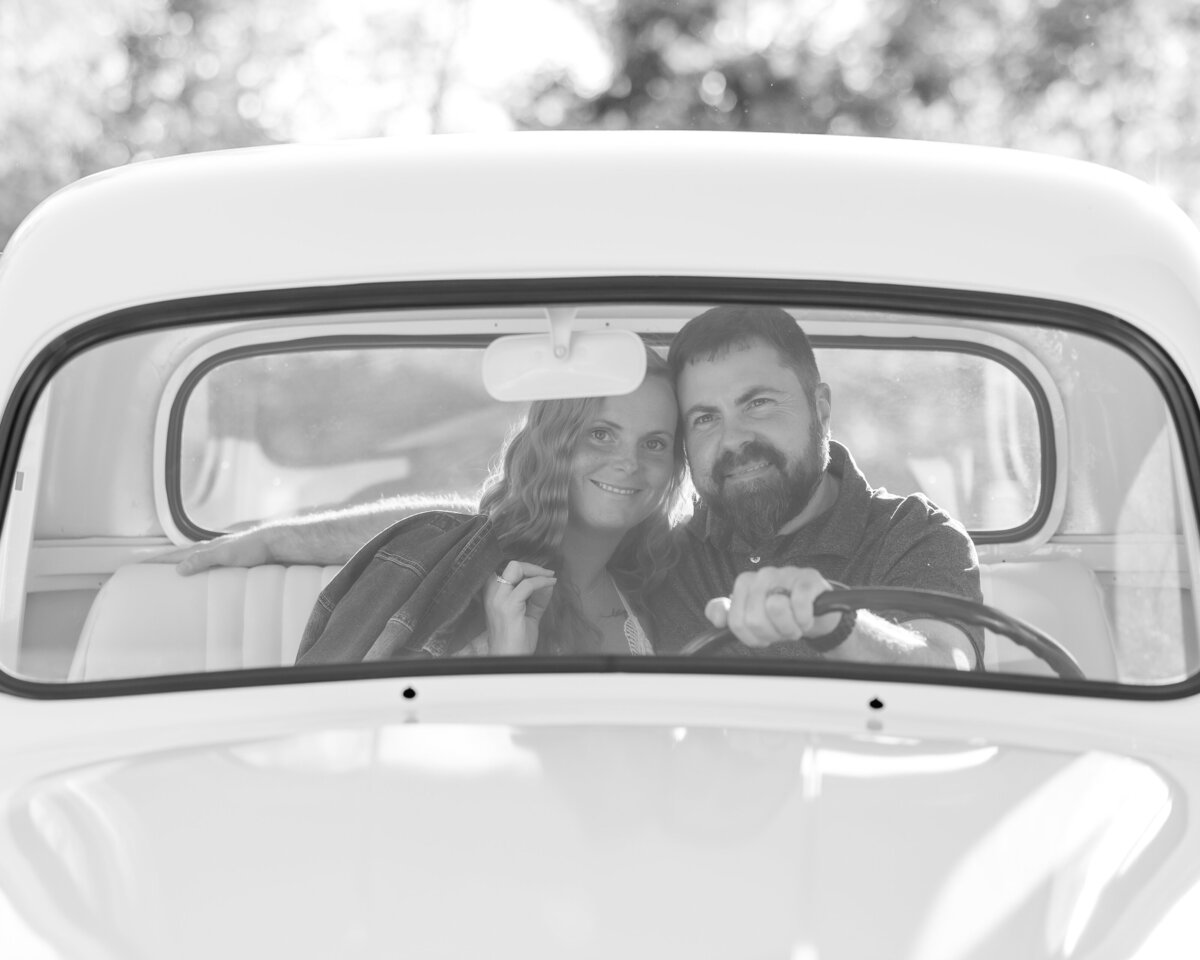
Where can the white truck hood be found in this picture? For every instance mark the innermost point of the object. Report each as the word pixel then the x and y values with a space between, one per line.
pixel 477 839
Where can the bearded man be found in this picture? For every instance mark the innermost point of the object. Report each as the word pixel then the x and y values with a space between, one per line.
pixel 783 510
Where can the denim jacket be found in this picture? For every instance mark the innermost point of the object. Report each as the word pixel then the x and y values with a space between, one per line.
pixel 405 592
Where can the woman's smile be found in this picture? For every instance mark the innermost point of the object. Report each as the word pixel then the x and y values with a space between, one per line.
pixel 619 491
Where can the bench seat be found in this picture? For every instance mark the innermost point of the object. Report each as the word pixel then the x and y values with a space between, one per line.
pixel 147 619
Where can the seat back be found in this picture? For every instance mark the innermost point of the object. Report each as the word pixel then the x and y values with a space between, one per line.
pixel 1062 597
pixel 147 619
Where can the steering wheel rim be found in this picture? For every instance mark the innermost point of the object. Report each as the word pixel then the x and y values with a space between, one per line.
pixel 935 604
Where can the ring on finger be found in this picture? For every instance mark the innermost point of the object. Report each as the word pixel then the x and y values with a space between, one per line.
pixel 507 583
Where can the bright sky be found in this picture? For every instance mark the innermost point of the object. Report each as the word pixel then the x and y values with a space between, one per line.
pixel 481 50
pixel 476 50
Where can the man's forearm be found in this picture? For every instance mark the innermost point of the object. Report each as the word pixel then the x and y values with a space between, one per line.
pixel 325 539
pixel 334 536
pixel 921 643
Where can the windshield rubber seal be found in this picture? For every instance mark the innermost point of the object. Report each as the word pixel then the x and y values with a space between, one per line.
pixel 892 298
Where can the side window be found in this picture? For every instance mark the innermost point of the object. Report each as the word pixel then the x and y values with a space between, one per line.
pixel 271 435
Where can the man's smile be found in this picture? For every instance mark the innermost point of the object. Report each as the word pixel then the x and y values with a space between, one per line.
pixel 619 491
pixel 744 471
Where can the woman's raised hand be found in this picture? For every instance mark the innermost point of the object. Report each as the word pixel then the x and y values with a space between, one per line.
pixel 514 601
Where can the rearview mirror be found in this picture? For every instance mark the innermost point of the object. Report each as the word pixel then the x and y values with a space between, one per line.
pixel 564 362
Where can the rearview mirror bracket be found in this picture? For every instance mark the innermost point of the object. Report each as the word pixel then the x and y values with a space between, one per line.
pixel 564 362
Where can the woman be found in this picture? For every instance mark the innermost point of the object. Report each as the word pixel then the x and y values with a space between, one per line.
pixel 573 533
pixel 582 505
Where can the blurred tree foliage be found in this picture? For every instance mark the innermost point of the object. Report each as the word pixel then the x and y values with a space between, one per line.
pixel 139 80
pixel 88 86
pixel 1114 81
pixel 84 87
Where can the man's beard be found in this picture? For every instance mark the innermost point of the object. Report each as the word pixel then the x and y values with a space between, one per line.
pixel 758 509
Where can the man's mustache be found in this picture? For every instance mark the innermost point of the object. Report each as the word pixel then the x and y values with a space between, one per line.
pixel 749 452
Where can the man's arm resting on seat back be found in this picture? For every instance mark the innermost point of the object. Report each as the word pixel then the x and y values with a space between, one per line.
pixel 323 539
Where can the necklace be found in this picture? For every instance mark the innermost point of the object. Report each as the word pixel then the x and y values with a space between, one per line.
pixel 620 632
pixel 603 602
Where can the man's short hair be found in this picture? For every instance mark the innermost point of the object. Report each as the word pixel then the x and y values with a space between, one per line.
pixel 713 333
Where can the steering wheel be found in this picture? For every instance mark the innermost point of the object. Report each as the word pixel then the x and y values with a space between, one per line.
pixel 933 604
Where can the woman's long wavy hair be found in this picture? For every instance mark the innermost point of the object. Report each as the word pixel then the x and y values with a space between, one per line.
pixel 527 500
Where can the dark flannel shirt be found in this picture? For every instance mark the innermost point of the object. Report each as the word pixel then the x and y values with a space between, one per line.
pixel 868 538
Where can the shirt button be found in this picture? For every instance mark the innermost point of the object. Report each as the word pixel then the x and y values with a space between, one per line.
pixel 756 559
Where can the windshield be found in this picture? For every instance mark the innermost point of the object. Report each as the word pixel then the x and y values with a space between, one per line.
pixel 795 486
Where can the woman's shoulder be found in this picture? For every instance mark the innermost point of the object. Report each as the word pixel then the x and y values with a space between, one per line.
pixel 426 533
pixel 435 525
pixel 444 519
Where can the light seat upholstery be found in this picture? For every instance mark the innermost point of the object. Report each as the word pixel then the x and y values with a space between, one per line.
pixel 147 619
pixel 1061 596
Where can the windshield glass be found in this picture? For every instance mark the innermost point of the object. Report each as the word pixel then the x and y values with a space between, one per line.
pixel 911 490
